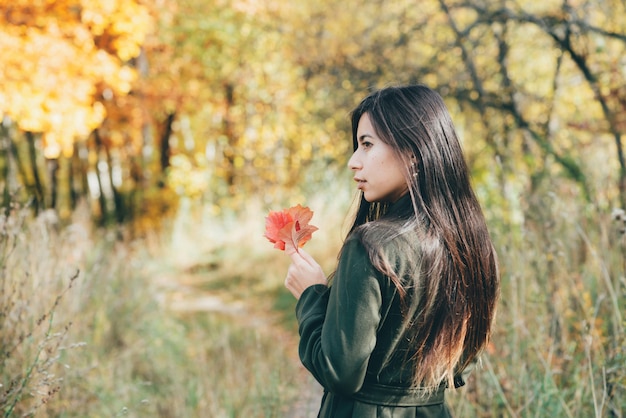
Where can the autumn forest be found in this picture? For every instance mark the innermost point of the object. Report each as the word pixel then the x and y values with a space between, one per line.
pixel 142 142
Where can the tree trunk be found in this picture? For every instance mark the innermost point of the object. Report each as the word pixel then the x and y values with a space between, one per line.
pixel 5 145
pixel 165 142
pixel 52 164
pixel 38 188
pixel 19 164
pixel 71 182
pixel 229 132
pixel 622 167
pixel 101 196
pixel 118 201
pixel 118 204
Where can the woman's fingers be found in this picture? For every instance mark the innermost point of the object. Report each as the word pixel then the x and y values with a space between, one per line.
pixel 299 256
pixel 303 272
pixel 307 257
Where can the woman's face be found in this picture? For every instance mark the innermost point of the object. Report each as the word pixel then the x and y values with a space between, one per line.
pixel 377 170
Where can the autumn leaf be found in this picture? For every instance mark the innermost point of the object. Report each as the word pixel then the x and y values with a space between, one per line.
pixel 289 228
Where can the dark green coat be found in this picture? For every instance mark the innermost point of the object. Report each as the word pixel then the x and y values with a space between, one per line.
pixel 348 335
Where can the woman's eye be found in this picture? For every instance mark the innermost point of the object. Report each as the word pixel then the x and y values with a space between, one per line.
pixel 366 144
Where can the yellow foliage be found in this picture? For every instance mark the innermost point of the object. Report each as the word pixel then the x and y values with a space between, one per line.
pixel 186 177
pixel 56 59
pixel 266 86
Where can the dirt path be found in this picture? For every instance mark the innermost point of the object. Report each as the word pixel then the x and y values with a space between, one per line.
pixel 181 297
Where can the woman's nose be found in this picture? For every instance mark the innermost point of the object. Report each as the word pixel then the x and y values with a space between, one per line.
pixel 353 162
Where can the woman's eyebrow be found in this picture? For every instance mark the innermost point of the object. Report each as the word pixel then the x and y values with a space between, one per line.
pixel 362 137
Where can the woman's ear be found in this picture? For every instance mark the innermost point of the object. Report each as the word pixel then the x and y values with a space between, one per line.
pixel 414 166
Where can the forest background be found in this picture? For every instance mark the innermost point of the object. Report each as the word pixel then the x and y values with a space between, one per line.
pixel 143 141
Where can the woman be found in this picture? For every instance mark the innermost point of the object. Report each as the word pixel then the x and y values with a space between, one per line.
pixel 413 298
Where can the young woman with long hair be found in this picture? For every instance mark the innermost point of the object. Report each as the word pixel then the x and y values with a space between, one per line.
pixel 412 301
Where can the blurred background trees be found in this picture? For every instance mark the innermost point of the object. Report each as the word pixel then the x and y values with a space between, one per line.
pixel 130 103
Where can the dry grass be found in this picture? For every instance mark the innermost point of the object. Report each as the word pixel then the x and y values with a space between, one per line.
pixel 34 282
pixel 559 345
pixel 106 343
pixel 98 343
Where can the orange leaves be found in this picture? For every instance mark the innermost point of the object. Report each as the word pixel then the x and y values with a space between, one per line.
pixel 119 25
pixel 60 57
pixel 43 87
pixel 289 228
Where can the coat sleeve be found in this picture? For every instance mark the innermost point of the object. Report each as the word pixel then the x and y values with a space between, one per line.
pixel 338 328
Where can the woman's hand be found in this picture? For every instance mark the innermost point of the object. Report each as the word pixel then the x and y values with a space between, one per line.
pixel 303 272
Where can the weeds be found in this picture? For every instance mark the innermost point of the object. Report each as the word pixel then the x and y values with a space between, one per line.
pixel 106 343
pixel 30 339
pixel 102 344
pixel 559 330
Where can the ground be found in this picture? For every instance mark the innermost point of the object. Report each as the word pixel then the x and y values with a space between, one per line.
pixel 181 295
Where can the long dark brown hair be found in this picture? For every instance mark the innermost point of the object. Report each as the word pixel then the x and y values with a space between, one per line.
pixel 456 285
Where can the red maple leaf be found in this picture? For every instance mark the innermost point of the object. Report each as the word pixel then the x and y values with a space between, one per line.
pixel 289 228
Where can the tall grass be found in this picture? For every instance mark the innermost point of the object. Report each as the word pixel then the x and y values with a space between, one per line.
pixel 33 284
pixel 83 333
pixel 95 325
pixel 559 344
